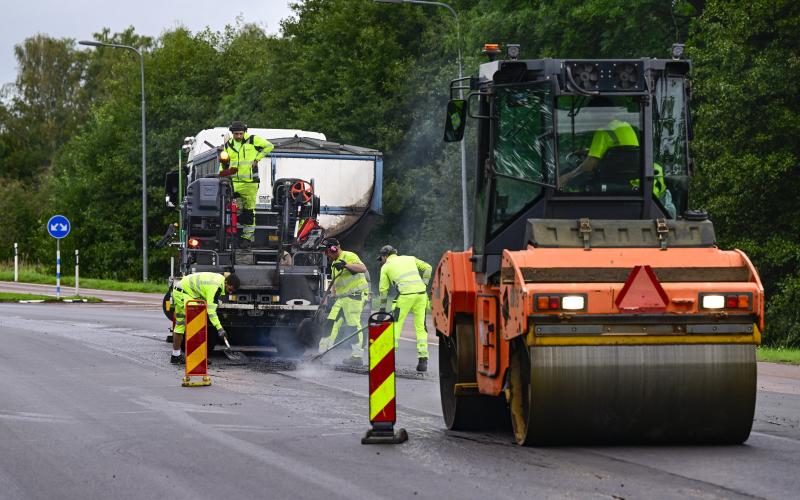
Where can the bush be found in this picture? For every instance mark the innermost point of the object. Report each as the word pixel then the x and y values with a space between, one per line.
pixel 783 315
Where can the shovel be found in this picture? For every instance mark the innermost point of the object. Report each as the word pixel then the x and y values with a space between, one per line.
pixel 237 356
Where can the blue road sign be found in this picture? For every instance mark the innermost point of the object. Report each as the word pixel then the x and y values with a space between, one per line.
pixel 58 226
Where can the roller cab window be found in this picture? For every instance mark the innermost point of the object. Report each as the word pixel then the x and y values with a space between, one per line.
pixel 670 136
pixel 599 142
pixel 523 160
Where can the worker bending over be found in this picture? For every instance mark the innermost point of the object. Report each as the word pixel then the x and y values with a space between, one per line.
pixel 199 286
pixel 351 290
pixel 411 277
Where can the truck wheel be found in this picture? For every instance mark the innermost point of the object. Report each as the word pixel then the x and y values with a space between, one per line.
pixel 166 304
pixel 286 342
pixel 457 366
pixel 309 333
pixel 519 384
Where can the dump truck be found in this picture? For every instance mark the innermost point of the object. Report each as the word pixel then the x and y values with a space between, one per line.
pixel 310 189
pixel 594 306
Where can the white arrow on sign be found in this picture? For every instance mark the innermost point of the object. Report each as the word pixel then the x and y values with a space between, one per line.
pixel 56 227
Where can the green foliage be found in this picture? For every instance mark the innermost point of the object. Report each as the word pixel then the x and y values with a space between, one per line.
pixel 377 75
pixel 16 297
pixel 779 355
pixel 747 124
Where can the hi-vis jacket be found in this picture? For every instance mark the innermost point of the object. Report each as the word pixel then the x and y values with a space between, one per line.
pixel 409 274
pixel 204 286
pixel 348 283
pixel 242 155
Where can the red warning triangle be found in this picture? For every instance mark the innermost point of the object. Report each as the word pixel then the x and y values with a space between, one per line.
pixel 642 292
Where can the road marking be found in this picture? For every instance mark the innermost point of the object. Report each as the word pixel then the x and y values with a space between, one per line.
pixel 415 341
pixel 308 474
pixel 34 417
pixel 780 438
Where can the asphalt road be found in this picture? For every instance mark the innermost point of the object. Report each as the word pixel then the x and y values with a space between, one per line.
pixel 90 408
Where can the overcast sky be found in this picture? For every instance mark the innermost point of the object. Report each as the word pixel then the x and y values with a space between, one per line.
pixel 78 19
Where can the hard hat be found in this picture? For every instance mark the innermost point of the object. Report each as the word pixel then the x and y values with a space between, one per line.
pixel 238 126
pixel 385 251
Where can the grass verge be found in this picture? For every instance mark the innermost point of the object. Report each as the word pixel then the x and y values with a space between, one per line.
pixel 16 297
pixel 779 355
pixel 27 275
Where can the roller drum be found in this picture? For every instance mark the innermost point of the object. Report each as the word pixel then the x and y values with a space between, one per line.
pixel 649 393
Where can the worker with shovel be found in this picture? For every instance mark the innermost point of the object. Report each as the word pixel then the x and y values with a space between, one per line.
pixel 199 286
pixel 350 290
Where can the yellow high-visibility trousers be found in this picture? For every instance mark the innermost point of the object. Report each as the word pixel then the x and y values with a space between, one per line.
pixel 415 304
pixel 346 310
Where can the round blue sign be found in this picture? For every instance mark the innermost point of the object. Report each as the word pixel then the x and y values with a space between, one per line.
pixel 58 226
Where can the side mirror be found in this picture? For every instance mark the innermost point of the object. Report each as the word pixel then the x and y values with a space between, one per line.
pixel 171 189
pixel 456 120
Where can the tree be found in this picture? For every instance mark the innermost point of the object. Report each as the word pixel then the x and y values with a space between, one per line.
pixel 747 123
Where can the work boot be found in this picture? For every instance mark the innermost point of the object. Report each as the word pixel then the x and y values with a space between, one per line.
pixel 177 360
pixel 422 365
pixel 244 244
pixel 353 361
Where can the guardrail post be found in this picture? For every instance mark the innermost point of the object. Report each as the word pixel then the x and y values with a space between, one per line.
pixel 16 263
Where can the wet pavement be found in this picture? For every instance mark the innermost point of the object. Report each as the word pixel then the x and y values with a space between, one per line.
pixel 91 408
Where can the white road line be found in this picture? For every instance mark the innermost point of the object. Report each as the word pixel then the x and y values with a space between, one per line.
pixel 780 438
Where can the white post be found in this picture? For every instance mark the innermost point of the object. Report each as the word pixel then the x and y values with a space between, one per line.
pixel 58 268
pixel 76 273
pixel 172 267
pixel 16 263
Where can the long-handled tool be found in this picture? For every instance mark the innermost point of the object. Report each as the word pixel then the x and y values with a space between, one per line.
pixel 337 344
pixel 237 356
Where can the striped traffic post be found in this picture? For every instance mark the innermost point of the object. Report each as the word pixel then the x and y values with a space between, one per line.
pixel 196 344
pixel 382 403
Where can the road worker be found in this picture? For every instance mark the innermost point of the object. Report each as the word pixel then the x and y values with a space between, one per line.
pixel 243 151
pixel 350 289
pixel 619 133
pixel 199 286
pixel 410 276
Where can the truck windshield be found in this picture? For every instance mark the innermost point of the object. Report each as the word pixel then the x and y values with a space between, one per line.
pixel 523 152
pixel 599 144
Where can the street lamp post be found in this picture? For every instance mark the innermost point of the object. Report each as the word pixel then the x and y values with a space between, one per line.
pixel 464 216
pixel 94 43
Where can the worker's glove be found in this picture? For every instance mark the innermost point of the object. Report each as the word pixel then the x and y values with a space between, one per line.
pixel 255 166
pixel 339 265
pixel 221 333
pixel 228 172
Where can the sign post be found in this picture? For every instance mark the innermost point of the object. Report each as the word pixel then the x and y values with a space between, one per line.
pixel 76 272
pixel 16 263
pixel 58 227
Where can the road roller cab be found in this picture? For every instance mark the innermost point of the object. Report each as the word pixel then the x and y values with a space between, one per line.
pixel 593 306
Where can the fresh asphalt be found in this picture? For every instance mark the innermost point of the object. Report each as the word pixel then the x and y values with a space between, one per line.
pixel 90 408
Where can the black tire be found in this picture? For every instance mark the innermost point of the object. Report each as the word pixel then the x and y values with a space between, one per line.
pixel 520 400
pixel 286 342
pixel 309 333
pixel 166 304
pixel 457 366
